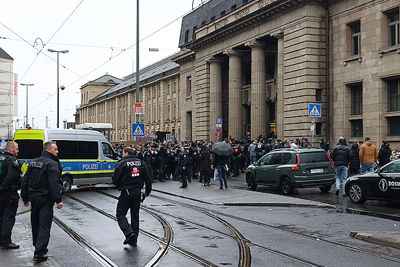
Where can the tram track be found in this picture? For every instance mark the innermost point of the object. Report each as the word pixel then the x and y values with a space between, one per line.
pixel 243 243
pixel 353 248
pixel 166 241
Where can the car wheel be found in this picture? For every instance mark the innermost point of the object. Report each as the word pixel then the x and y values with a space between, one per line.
pixel 66 184
pixel 286 186
pixel 325 188
pixel 356 193
pixel 251 182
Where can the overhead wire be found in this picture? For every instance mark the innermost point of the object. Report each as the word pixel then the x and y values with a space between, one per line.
pixel 59 28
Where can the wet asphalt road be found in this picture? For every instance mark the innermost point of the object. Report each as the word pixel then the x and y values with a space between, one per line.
pixel 182 232
pixel 376 208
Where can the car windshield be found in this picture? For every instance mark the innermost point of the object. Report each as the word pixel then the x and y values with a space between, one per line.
pixel 309 157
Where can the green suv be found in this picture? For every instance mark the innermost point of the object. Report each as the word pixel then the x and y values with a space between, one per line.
pixel 289 168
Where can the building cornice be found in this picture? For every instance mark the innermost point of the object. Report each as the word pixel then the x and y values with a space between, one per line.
pixel 184 57
pixel 245 17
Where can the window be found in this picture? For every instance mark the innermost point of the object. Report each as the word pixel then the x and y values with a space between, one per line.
pixel 88 150
pixel 194 33
pixel 188 86
pixel 275 159
pixel 394 126
pixel 174 89
pixel 394 167
pixel 222 13
pixel 168 88
pixel 356 128
pixel 394 29
pixel 313 157
pixel 318 128
pixel 394 95
pixel 29 149
pixel 286 157
pixel 108 151
pixel 67 149
pixel 356 99
pixel 318 95
pixel 265 160
pixel 186 36
pixel 355 38
pixel 233 7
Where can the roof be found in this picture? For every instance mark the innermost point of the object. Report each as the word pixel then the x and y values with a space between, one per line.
pixel 105 79
pixel 204 15
pixel 3 54
pixel 153 72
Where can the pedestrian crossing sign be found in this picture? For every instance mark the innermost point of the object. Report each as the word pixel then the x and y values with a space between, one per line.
pixel 314 110
pixel 138 130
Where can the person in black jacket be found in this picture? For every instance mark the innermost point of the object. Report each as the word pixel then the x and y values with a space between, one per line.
pixel 341 155
pixel 219 163
pixel 354 167
pixel 384 154
pixel 10 174
pixel 129 176
pixel 205 165
pixel 41 186
pixel 184 164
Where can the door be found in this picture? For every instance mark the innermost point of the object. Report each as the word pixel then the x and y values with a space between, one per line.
pixel 89 163
pixel 266 170
pixel 108 162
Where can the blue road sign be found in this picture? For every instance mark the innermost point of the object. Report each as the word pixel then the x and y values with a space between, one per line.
pixel 3 141
pixel 314 110
pixel 219 121
pixel 138 130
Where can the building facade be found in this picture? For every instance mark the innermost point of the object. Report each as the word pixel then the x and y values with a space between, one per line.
pixel 258 64
pixel 159 95
pixel 7 95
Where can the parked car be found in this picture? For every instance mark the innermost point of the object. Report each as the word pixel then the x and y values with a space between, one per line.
pixel 289 168
pixel 382 184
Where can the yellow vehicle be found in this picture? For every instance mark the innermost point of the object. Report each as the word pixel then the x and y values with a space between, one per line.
pixel 86 156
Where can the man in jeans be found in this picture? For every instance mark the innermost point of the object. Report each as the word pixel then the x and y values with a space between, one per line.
pixel 341 155
pixel 368 156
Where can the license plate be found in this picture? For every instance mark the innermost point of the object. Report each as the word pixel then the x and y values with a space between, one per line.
pixel 316 170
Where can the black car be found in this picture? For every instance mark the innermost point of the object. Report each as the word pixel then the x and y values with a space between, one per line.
pixel 383 184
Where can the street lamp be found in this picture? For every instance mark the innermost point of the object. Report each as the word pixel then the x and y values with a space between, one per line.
pixel 27 85
pixel 58 80
pixel 137 60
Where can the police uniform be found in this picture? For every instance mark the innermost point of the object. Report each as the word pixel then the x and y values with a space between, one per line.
pixel 184 163
pixel 129 176
pixel 41 186
pixel 10 173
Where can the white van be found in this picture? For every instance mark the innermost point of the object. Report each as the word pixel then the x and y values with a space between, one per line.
pixel 86 156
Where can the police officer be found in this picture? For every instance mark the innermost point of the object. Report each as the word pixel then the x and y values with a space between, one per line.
pixel 235 160
pixel 10 173
pixel 41 186
pixel 129 176
pixel 184 163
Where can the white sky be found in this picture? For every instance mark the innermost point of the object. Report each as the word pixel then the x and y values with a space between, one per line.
pixel 96 31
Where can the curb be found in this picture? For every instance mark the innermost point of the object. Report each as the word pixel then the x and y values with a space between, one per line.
pixel 373 237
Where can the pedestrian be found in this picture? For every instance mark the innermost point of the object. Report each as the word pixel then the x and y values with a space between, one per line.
pixel 384 154
pixel 354 167
pixel 10 175
pixel 341 156
pixel 129 176
pixel 220 163
pixel 368 156
pixel 41 186
pixel 252 152
pixel 205 165
pixel 184 163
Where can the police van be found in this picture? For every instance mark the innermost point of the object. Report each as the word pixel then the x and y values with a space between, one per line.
pixel 86 156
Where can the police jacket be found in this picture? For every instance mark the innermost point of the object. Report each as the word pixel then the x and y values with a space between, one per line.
pixel 42 179
pixel 10 176
pixel 132 173
pixel 184 159
pixel 341 154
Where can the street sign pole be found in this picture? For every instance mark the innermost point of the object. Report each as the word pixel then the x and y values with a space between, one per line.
pixel 312 131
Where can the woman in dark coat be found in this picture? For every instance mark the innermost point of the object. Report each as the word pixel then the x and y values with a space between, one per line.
pixel 205 165
pixel 354 167
pixel 384 154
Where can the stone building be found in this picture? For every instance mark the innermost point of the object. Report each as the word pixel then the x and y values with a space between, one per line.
pixel 259 64
pixel 7 95
pixel 111 100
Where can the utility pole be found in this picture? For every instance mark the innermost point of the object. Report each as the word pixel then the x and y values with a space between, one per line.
pixel 47 122
pixel 137 60
pixel 26 110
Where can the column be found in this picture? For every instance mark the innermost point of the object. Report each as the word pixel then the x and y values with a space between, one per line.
pixel 215 94
pixel 258 108
pixel 163 102
pixel 235 129
pixel 280 88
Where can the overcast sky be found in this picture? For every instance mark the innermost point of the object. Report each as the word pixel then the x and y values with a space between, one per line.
pixel 93 31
